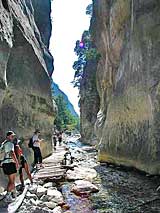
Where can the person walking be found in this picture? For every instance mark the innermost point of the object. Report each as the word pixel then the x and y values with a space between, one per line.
pixel 36 148
pixel 22 162
pixel 55 140
pixel 9 164
pixel 59 135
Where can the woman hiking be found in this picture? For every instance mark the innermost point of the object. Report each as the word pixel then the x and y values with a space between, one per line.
pixel 22 162
pixel 9 164
pixel 36 148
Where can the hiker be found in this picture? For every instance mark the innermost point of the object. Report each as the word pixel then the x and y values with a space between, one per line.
pixel 10 164
pixel 54 140
pixel 59 135
pixel 22 162
pixel 36 148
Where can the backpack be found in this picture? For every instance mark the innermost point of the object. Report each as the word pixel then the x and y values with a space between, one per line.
pixel 30 144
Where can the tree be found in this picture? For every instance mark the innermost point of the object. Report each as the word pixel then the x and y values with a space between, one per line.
pixel 85 51
pixel 64 119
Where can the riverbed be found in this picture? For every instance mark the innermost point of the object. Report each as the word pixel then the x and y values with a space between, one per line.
pixel 121 190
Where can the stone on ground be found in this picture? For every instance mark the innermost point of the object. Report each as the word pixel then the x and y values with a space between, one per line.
pixel 80 173
pixel 57 210
pixel 48 185
pixel 41 191
pixel 50 205
pixel 83 186
pixel 55 196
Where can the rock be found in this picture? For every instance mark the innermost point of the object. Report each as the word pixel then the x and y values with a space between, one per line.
pixel 81 173
pixel 57 210
pixel 1 189
pixel 65 207
pixel 33 202
pixel 41 191
pixel 33 189
pixel 83 186
pixel 30 195
pixel 48 185
pixel 55 196
pixel 44 198
pixel 22 34
pixel 115 106
pixel 50 205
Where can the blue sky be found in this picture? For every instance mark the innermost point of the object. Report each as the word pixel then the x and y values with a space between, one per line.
pixel 69 21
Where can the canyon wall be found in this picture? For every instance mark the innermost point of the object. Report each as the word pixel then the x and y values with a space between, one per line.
pixel 127 36
pixel 25 69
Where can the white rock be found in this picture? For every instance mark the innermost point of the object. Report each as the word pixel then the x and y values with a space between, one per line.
pixel 48 185
pixel 33 189
pixel 83 186
pixel 30 195
pixel 41 191
pixel 55 196
pixel 32 201
pixel 80 173
pixel 1 189
pixel 57 210
pixel 50 205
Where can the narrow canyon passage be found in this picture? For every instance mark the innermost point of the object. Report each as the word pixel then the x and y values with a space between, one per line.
pixel 88 70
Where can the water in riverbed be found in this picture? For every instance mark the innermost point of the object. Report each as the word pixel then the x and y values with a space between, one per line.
pixel 121 190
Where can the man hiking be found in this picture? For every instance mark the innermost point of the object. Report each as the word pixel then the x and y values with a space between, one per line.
pixel 9 164
pixel 22 162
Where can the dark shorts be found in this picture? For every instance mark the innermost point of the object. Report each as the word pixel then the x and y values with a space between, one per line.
pixel 22 163
pixel 9 168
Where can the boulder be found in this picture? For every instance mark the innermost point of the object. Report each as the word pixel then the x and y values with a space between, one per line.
pixel 80 173
pixel 82 186
pixel 55 196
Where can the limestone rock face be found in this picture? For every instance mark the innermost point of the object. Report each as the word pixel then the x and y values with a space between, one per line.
pixel 89 103
pixel 126 34
pixel 25 69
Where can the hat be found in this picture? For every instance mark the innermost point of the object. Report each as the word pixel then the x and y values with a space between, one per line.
pixel 10 133
pixel 37 131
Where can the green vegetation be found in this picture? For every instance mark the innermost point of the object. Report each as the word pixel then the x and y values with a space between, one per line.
pixel 64 119
pixel 85 51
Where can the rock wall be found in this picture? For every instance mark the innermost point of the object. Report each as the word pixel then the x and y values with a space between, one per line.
pixel 25 69
pixel 127 35
pixel 89 103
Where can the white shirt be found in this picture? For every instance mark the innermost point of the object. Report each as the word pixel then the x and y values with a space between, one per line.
pixel 36 142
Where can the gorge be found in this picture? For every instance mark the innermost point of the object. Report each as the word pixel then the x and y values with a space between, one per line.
pixel 126 34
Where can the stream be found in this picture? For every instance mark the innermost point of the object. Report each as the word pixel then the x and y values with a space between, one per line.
pixel 121 190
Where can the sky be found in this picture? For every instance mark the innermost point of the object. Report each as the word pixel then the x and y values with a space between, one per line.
pixel 69 20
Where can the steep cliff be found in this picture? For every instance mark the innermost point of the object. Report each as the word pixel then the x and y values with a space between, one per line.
pixel 57 91
pixel 25 69
pixel 89 103
pixel 127 35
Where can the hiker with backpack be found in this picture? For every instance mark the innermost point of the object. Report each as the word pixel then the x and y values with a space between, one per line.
pixel 10 164
pixel 22 162
pixel 36 148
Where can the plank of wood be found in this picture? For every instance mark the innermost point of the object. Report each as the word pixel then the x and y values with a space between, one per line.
pixel 13 207
pixel 48 175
